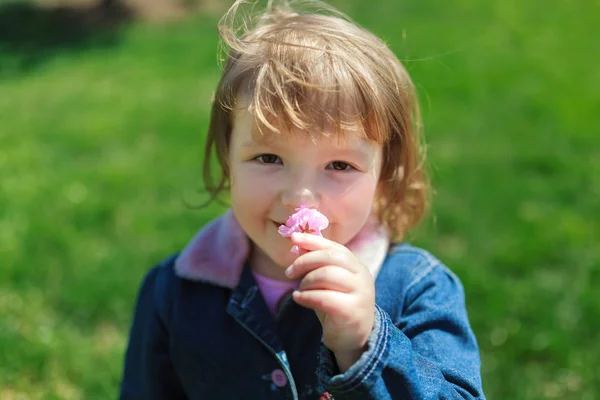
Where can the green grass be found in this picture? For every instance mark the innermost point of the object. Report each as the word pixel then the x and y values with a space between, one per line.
pixel 100 145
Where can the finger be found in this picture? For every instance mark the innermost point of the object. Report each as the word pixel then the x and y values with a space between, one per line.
pixel 325 301
pixel 329 278
pixel 313 242
pixel 316 259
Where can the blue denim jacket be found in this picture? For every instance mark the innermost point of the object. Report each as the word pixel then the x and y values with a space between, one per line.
pixel 194 340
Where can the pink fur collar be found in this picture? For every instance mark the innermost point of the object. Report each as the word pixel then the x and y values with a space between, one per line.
pixel 218 252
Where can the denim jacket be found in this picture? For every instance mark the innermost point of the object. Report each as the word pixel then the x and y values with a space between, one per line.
pixel 193 339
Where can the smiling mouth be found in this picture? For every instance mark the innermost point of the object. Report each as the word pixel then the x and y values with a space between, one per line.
pixel 277 224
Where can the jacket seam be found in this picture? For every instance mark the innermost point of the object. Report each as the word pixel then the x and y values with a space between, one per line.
pixel 430 264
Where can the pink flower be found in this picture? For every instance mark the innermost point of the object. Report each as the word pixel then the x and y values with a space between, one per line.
pixel 304 220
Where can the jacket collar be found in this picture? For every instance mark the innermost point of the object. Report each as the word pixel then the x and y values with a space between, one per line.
pixel 218 252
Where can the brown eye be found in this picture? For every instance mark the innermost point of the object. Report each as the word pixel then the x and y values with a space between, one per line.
pixel 340 166
pixel 269 159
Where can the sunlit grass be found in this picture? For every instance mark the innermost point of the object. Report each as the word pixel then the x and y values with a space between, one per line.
pixel 101 147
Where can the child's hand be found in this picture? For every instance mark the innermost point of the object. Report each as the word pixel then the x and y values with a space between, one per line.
pixel 341 290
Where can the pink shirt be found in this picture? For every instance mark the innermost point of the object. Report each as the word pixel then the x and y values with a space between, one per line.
pixel 273 290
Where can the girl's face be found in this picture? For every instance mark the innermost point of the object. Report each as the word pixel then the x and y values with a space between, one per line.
pixel 273 175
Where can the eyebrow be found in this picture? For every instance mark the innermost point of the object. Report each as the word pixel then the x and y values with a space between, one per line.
pixel 267 142
pixel 261 142
pixel 354 152
pixel 252 143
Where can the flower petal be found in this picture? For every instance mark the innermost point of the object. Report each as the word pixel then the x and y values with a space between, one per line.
pixel 305 220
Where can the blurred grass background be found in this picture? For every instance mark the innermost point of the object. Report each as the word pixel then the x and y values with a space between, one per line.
pixel 101 136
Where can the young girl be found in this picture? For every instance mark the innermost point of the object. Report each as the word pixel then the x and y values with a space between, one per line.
pixel 311 111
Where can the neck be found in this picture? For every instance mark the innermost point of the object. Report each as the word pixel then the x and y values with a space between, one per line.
pixel 263 265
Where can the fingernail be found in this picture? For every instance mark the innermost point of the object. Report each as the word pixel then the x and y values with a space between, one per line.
pixel 289 270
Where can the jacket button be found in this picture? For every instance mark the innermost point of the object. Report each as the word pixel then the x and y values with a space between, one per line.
pixel 278 377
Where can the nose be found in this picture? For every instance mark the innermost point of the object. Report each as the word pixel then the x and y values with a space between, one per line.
pixel 301 191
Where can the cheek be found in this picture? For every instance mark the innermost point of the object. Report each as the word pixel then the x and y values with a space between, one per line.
pixel 251 194
pixel 350 209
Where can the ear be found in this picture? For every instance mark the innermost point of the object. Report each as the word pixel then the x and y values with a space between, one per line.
pixel 380 189
pixel 377 203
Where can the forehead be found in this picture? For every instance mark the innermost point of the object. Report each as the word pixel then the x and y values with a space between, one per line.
pixel 247 131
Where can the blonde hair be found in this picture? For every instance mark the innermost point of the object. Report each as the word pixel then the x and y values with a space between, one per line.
pixel 310 68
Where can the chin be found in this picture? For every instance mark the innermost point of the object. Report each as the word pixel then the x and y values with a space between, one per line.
pixel 282 257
